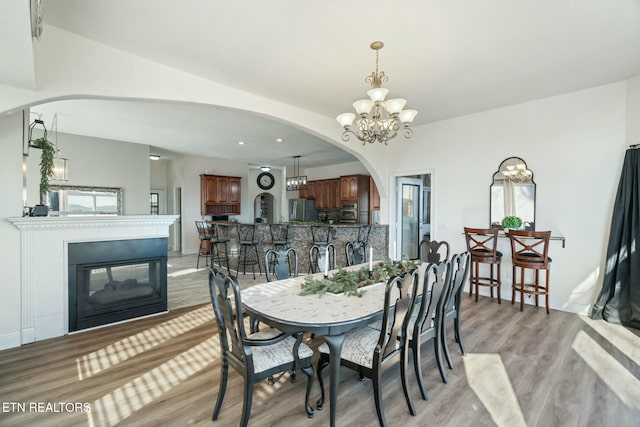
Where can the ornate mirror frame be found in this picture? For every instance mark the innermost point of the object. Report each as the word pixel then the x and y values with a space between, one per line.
pixel 513 177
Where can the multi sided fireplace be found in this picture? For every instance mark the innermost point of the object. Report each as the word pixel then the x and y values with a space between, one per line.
pixel 116 280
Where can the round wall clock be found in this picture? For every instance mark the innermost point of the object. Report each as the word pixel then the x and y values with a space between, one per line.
pixel 266 181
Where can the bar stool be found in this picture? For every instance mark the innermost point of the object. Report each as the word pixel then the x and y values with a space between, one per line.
pixel 248 254
pixel 482 245
pixel 220 238
pixel 205 235
pixel 279 236
pixel 320 234
pixel 530 250
pixel 363 234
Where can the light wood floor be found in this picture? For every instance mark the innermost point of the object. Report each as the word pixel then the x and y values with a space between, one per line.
pixel 520 369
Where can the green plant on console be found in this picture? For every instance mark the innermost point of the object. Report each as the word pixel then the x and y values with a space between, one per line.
pixel 46 164
pixel 512 222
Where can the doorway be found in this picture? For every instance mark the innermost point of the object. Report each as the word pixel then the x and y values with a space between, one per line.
pixel 412 214
pixel 264 206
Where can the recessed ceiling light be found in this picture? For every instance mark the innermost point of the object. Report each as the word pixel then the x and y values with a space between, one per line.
pixel 265 168
pixel 154 157
pixel 279 140
pixel 240 142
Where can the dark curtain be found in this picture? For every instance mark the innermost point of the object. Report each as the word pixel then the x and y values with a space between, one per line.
pixel 619 300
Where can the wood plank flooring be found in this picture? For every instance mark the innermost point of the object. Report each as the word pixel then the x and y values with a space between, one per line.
pixel 520 369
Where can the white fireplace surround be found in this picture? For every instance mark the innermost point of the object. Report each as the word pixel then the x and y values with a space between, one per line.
pixel 44 259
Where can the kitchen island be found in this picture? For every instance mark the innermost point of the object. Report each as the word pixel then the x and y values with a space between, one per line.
pixel 301 239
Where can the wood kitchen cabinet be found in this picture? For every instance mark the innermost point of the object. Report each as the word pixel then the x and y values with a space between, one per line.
pixel 353 187
pixel 326 193
pixel 374 196
pixel 219 195
pixel 349 189
pixel 335 194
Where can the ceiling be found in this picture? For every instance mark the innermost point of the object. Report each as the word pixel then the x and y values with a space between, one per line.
pixel 446 58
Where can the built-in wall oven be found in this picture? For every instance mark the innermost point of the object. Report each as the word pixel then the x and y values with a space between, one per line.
pixel 349 213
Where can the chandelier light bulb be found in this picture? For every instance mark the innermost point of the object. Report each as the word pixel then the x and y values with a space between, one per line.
pixel 395 106
pixel 346 119
pixel 377 94
pixel 363 106
pixel 407 116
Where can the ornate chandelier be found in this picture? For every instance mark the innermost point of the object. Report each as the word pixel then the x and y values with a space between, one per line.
pixel 380 120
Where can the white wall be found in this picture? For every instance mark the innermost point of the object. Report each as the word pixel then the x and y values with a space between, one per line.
pixel 633 110
pixel 335 171
pixel 159 173
pixel 10 205
pixel 278 191
pixel 101 163
pixel 574 144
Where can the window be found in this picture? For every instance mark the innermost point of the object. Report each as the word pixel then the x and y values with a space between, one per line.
pixel 154 202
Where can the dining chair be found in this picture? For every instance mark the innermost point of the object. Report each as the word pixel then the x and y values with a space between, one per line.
pixel 257 356
pixel 281 264
pixel 317 255
pixel 355 253
pixel 459 273
pixel 530 251
pixel 434 251
pixel 426 318
pixel 367 351
pixel 482 244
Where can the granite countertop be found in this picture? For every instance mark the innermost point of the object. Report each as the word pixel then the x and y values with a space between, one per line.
pixel 307 224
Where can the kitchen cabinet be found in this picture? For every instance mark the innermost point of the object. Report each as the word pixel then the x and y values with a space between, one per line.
pixel 374 196
pixel 326 193
pixel 219 195
pixel 349 189
pixel 335 194
pixel 354 189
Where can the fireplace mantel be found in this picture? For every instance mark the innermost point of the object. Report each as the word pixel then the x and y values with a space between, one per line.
pixel 99 221
pixel 44 257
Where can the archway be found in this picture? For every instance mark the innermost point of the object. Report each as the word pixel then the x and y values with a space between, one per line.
pixel 264 208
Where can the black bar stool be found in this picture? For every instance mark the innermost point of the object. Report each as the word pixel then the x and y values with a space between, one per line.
pixel 248 254
pixel 205 234
pixel 279 236
pixel 219 241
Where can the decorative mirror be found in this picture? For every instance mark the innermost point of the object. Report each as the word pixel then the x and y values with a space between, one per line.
pixel 513 194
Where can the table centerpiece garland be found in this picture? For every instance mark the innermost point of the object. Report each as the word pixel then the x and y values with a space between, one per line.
pixel 353 282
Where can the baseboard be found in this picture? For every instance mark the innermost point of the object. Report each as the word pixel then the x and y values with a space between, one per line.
pixel 10 340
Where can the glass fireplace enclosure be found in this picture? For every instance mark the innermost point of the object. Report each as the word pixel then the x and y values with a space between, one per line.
pixel 111 281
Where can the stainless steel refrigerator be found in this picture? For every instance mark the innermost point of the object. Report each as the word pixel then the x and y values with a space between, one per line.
pixel 303 210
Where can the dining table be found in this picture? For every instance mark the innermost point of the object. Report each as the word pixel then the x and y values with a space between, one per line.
pixel 280 305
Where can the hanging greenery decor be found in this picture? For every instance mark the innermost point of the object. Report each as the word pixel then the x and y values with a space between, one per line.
pixel 46 164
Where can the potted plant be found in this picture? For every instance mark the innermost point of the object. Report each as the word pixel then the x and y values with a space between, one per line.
pixel 46 165
pixel 511 222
